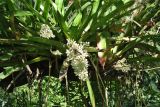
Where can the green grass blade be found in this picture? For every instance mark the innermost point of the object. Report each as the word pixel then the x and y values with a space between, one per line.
pixel 87 4
pixel 133 43
pixel 91 94
pixel 35 12
pixel 48 42
pixel 46 8
pixel 14 67
pixel 145 59
pixel 114 13
pixel 95 6
pixel 60 6
pixel 37 4
pixel 77 20
pixel 23 13
pixel 8 71
pixel 61 21
pixel 18 64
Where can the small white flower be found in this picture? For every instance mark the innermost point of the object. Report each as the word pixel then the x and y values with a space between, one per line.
pixel 76 49
pixel 57 52
pixel 46 32
pixel 78 57
pixel 80 66
pixel 122 65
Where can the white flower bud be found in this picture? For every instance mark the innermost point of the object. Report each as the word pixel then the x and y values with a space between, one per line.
pixel 46 32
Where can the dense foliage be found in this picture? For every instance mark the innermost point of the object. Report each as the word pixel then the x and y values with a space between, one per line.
pixel 80 53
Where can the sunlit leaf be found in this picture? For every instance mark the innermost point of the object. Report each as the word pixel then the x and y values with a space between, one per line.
pixel 23 13
pixel 8 71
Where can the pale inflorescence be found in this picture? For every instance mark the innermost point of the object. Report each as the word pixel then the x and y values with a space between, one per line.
pixel 46 32
pixel 122 65
pixel 77 54
pixel 57 52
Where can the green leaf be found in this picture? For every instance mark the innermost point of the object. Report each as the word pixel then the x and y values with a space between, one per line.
pixel 35 12
pixel 23 13
pixel 46 8
pixel 20 64
pixel 77 20
pixel 91 49
pixel 87 4
pixel 13 67
pixel 154 87
pixel 146 59
pixel 95 6
pixel 133 43
pixel 45 41
pixel 8 71
pixel 11 6
pixel 147 47
pixel 61 21
pixel 118 3
pixel 6 56
pixel 37 4
pixel 114 13
pixel 91 94
pixel 68 11
pixel 60 6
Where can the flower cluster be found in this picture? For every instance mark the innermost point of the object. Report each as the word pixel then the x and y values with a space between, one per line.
pixel 122 65
pixel 46 32
pixel 57 52
pixel 78 57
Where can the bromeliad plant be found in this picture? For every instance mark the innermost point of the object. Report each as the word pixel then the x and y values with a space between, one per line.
pixel 80 35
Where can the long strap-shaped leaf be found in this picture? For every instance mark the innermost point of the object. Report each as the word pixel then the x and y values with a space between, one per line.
pixel 91 94
pixel 18 64
pixel 13 67
pixel 133 43
pixel 46 8
pixel 60 20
